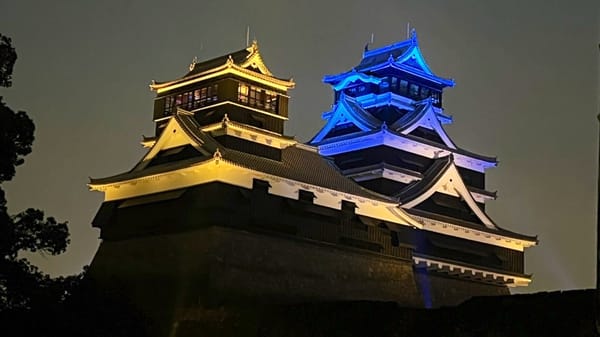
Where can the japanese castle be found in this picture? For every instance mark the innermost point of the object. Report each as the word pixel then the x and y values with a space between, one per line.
pixel 379 205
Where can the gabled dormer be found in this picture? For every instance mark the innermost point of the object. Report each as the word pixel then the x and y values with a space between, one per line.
pixel 238 84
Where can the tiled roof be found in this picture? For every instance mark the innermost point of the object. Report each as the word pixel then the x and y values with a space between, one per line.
pixel 468 224
pixel 296 163
pixel 382 57
pixel 303 166
pixel 238 58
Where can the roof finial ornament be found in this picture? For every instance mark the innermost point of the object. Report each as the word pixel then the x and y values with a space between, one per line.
pixel 413 35
pixel 224 121
pixel 370 42
pixel 217 155
pixel 384 126
pixel 194 62
pixel 229 60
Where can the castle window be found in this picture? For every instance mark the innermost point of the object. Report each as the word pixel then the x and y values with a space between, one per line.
pixel 394 83
pixel 354 91
pixel 191 100
pixel 403 87
pixel 414 90
pixel 437 98
pixel 347 212
pixel 270 101
pixel 169 105
pixel 348 207
pixel 258 97
pixel 306 196
pixel 255 97
pixel 261 186
pixel 424 92
pixel 243 93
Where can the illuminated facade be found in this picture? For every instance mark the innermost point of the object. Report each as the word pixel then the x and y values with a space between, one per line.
pixel 385 131
pixel 381 205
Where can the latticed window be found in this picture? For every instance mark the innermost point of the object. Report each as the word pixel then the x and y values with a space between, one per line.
pixel 191 100
pixel 169 104
pixel 258 97
pixel 270 101
pixel 243 92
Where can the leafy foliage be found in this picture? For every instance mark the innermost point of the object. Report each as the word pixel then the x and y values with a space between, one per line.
pixel 31 302
pixel 16 138
pixel 8 57
pixel 22 285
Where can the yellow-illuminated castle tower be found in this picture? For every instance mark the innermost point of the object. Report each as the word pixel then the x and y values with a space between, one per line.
pixel 224 209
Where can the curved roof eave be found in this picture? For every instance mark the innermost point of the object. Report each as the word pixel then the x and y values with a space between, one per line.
pixel 413 71
pixel 347 110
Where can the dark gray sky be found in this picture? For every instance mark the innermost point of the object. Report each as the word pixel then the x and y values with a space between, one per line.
pixel 527 91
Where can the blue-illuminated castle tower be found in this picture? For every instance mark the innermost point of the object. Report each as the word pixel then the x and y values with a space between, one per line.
pixel 385 131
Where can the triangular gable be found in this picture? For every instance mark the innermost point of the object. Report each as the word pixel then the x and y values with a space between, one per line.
pixel 254 60
pixel 414 59
pixel 347 110
pixel 178 132
pixel 425 116
pixel 443 176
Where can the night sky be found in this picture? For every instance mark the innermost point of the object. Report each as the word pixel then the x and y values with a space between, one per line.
pixel 526 91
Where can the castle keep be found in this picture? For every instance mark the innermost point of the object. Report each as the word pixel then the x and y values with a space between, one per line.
pixel 380 205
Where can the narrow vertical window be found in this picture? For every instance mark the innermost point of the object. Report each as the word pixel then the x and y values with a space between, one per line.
pixel 403 87
pixel 306 196
pixel 436 97
pixel 243 93
pixel 414 90
pixel 168 106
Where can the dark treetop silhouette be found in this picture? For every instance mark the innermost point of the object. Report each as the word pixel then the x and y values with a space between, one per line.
pixel 22 285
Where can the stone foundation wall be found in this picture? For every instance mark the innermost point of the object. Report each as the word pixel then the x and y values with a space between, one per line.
pixel 217 266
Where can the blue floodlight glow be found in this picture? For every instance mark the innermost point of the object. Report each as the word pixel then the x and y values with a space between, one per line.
pixel 353 77
pixel 344 113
